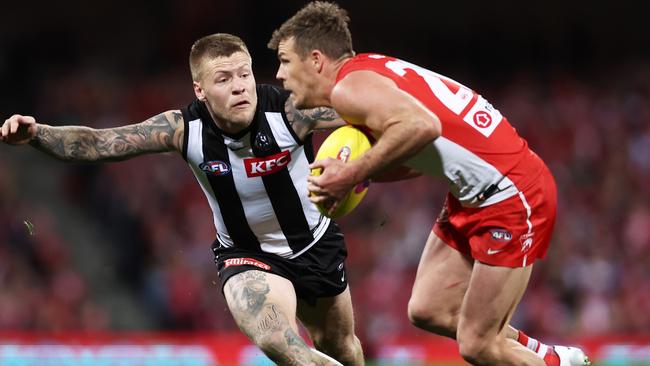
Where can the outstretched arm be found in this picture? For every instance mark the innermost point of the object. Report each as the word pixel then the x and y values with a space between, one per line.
pixel 161 133
pixel 305 121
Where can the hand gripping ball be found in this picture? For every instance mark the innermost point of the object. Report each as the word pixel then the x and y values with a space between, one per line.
pixel 345 143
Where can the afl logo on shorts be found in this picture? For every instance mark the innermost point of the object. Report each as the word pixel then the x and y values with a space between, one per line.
pixel 501 235
pixel 216 167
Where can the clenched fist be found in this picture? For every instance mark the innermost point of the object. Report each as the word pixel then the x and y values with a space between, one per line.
pixel 18 130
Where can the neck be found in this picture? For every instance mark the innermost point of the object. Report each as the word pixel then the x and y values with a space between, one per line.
pixel 330 77
pixel 227 126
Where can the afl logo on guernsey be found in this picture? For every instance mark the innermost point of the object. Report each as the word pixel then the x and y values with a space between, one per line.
pixel 215 167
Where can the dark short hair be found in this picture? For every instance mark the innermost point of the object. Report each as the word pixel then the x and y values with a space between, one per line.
pixel 214 46
pixel 319 25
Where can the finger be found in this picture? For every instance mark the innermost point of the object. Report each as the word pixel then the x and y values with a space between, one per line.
pixel 317 199
pixel 13 127
pixel 318 164
pixel 313 179
pixel 5 128
pixel 28 120
pixel 314 188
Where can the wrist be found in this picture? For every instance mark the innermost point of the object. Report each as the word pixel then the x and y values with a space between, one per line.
pixel 34 140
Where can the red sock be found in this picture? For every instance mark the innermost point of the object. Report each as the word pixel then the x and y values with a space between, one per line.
pixel 551 358
pixel 543 351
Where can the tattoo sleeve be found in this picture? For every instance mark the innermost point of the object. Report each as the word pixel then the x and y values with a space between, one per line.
pixel 160 133
pixel 305 121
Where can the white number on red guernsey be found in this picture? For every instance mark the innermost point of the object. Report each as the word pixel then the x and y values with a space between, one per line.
pixel 481 116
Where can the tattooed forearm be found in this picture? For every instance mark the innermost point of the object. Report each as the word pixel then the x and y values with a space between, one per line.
pixel 160 133
pixel 309 117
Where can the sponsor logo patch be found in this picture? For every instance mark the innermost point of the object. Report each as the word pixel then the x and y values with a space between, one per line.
pixel 501 235
pixel 215 167
pixel 262 141
pixel 344 154
pixel 256 167
pixel 246 262
pixel 526 241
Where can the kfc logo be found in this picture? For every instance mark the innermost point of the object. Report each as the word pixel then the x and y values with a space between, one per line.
pixel 256 167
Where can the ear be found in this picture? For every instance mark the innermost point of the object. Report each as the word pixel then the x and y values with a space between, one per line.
pixel 317 59
pixel 198 91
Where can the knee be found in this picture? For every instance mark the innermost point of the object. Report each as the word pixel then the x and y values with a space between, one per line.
pixel 346 349
pixel 273 344
pixel 425 316
pixel 475 349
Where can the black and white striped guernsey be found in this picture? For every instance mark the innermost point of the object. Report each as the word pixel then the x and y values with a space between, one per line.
pixel 255 181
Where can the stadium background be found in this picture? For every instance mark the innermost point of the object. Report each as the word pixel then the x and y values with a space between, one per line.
pixel 125 247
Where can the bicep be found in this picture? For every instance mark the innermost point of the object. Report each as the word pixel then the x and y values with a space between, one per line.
pixel 369 99
pixel 160 133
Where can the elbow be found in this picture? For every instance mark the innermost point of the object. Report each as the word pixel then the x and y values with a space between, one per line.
pixel 428 131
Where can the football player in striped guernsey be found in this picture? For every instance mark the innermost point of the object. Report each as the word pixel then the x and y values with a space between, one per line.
pixel 501 206
pixel 249 148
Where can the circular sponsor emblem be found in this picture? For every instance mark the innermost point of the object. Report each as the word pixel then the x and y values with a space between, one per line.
pixel 262 141
pixel 482 119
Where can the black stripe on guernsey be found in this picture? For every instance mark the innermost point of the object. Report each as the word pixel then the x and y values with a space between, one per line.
pixel 224 189
pixel 187 117
pixel 309 148
pixel 283 195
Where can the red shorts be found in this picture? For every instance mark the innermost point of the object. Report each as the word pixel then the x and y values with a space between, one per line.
pixel 511 233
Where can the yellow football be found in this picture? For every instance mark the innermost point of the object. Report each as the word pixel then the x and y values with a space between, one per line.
pixel 345 143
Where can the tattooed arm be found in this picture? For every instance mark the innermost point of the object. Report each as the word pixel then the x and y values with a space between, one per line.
pixel 305 121
pixel 160 133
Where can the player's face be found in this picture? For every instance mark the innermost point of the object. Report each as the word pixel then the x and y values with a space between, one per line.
pixel 297 75
pixel 227 85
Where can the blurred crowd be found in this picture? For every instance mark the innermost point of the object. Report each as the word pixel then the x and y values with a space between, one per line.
pixel 592 129
pixel 594 134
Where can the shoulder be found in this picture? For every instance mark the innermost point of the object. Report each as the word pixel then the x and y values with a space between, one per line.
pixel 360 87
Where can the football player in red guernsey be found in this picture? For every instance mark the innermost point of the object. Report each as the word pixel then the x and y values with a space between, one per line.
pixel 500 210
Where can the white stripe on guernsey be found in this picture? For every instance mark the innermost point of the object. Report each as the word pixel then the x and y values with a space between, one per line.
pixel 257 206
pixel 298 167
pixel 528 211
pixel 541 352
pixel 282 135
pixel 468 174
pixel 533 344
pixel 195 157
pixel 298 170
pixel 528 222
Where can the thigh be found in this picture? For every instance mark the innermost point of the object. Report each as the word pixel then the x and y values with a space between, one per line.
pixel 261 303
pixel 330 320
pixel 491 299
pixel 442 277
